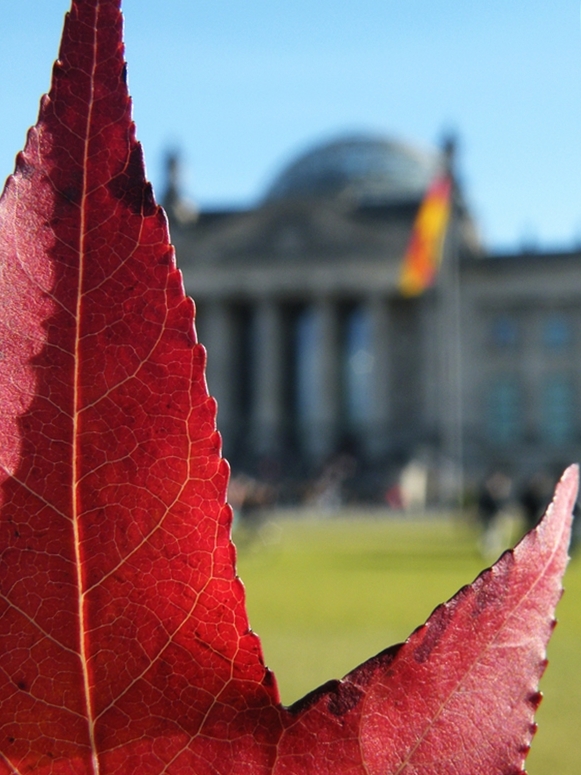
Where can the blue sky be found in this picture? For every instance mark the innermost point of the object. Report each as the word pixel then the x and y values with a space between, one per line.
pixel 241 87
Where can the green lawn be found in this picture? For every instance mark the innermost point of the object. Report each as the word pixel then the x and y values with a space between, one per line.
pixel 324 595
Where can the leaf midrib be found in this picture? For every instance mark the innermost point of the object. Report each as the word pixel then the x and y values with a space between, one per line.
pixel 75 468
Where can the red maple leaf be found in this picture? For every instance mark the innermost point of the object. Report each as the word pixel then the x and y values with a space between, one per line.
pixel 124 641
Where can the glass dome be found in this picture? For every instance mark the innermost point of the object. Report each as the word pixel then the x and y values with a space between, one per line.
pixel 360 168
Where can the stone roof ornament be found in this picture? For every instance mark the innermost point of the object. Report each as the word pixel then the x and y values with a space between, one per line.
pixel 180 210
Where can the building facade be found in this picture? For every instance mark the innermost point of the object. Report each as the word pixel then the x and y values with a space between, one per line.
pixel 314 355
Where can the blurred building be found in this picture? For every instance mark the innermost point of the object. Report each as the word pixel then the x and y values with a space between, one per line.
pixel 316 357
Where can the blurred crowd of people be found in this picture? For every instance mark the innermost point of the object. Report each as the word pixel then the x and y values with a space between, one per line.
pixel 498 504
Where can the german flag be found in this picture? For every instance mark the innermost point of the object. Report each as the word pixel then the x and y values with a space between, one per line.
pixel 424 253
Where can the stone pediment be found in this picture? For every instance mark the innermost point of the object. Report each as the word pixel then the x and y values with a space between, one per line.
pixel 302 232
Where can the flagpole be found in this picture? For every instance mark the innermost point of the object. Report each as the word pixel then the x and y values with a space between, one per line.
pixel 450 298
pixel 432 258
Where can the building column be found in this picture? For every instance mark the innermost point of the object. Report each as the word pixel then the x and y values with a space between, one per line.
pixel 321 435
pixel 216 328
pixel 377 436
pixel 267 410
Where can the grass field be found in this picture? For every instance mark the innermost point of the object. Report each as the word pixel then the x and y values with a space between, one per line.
pixel 326 594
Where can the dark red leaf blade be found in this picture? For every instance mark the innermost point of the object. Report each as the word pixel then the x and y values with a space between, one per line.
pixel 459 696
pixel 124 641
pixel 122 621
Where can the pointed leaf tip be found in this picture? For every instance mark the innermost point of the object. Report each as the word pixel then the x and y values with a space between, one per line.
pixel 121 618
pixel 558 519
pixel 459 696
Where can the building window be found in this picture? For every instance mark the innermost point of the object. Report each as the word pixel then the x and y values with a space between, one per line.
pixel 557 332
pixel 504 411
pixel 504 332
pixel 558 409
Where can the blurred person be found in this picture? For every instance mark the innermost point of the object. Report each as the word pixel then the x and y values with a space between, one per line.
pixel 535 497
pixel 248 497
pixel 493 497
